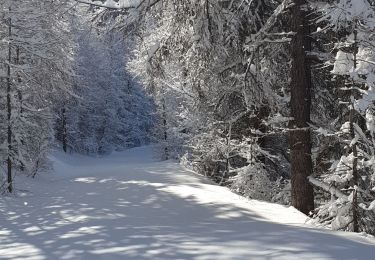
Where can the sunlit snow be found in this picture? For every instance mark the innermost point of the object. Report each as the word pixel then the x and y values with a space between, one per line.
pixel 130 206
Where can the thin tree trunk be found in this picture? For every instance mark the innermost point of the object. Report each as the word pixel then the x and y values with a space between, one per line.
pixel 166 152
pixel 299 135
pixel 354 146
pixel 9 109
pixel 227 154
pixel 20 99
pixel 64 130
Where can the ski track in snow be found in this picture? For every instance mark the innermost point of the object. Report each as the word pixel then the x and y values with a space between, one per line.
pixel 130 206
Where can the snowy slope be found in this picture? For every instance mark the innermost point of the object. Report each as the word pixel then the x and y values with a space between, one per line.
pixel 130 206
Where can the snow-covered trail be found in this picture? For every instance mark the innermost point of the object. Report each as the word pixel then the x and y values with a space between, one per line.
pixel 129 206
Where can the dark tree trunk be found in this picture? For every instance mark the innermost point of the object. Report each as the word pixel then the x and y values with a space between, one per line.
pixel 165 128
pixel 20 99
pixel 64 131
pixel 299 136
pixel 9 110
pixel 354 145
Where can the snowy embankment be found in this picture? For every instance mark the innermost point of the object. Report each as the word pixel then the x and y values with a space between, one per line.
pixel 130 206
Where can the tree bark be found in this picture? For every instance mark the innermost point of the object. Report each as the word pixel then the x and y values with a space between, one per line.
pixel 299 135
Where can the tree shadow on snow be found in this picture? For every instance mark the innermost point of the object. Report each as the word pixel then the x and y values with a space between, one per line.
pixel 126 217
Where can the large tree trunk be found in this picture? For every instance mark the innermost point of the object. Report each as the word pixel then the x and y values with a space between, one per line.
pixel 299 136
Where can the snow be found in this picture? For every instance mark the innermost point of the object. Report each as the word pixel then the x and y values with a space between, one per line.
pixel 131 206
pixel 119 4
pixel 343 63
pixel 345 11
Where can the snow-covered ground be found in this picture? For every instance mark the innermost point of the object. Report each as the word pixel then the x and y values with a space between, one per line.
pixel 130 206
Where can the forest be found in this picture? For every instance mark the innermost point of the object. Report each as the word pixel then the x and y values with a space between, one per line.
pixel 273 99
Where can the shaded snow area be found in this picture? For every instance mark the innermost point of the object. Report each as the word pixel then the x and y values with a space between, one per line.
pixel 130 206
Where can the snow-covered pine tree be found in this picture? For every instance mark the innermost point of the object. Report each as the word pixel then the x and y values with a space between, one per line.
pixel 351 178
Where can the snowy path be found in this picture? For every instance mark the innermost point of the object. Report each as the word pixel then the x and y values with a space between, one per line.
pixel 122 207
